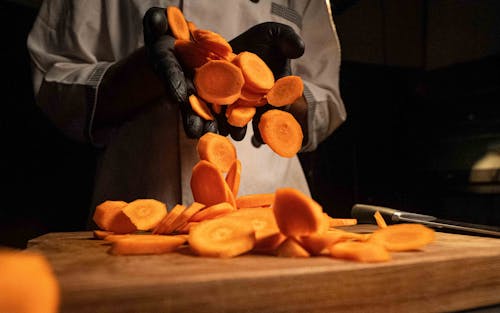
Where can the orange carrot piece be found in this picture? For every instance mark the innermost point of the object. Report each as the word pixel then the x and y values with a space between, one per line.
pixel 212 212
pixel 101 234
pixel 191 26
pixel 318 244
pixel 347 235
pixel 258 76
pixel 219 81
pixel 177 23
pixel 207 184
pixel 290 248
pixel 403 237
pixel 296 213
pixel 115 237
pixel 146 244
pixel 233 177
pixel 216 149
pixel 186 228
pixel 145 214
pixel 281 132
pixel 217 108
pixel 201 108
pixel 380 220
pixel 255 200
pixel 109 216
pixel 360 251
pixel 163 227
pixel 285 91
pixel 335 222
pixel 27 283
pixel 212 41
pixel 249 95
pixel 185 216
pixel 239 115
pixel 222 237
pixel 190 54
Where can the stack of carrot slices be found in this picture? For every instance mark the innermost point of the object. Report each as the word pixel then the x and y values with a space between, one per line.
pixel 240 82
pixel 221 223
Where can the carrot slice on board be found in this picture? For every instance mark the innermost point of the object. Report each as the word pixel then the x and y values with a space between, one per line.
pixel 177 23
pixel 403 237
pixel 115 237
pixel 222 237
pixel 212 41
pixel 219 81
pixel 212 212
pixel 290 248
pixel 296 213
pixel 145 214
pixel 335 222
pixel 185 216
pixel 347 235
pixel 217 149
pixel 186 228
pixel 360 251
pixel 109 216
pixel 318 244
pixel 281 132
pixel 146 244
pixel 101 234
pixel 239 115
pixel 27 283
pixel 201 108
pixel 258 76
pixel 164 225
pixel 380 220
pixel 255 200
pixel 285 91
pixel 233 177
pixel 207 184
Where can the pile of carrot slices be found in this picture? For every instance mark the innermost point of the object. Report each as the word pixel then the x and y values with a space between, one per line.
pixel 221 223
pixel 239 82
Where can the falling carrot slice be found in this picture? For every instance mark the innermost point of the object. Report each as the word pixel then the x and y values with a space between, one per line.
pixel 190 54
pixel 281 132
pixel 219 81
pixel 146 244
pixel 285 91
pixel 317 244
pixel 258 76
pixel 290 248
pixel 255 200
pixel 233 177
pixel 296 213
pixel 207 184
pixel 222 237
pixel 145 214
pixel 360 251
pixel 403 237
pixel 212 41
pixel 335 222
pixel 109 216
pixel 212 212
pixel 177 23
pixel 380 220
pixel 217 149
pixel 200 107
pixel 239 115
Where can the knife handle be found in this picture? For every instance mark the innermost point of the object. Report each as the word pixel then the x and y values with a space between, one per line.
pixel 364 213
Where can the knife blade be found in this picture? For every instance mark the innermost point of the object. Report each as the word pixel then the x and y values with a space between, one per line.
pixel 364 214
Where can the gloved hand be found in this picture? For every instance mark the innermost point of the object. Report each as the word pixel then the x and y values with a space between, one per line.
pixel 275 44
pixel 159 45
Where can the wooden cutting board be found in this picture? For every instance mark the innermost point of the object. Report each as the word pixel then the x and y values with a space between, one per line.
pixel 456 272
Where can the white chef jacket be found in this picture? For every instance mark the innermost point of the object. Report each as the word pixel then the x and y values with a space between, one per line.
pixel 73 42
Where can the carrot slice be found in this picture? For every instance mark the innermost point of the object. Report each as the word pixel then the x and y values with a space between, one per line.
pixel 290 248
pixel 190 54
pixel 403 237
pixel 380 220
pixel 281 132
pixel 335 222
pixel 297 214
pixel 217 108
pixel 115 237
pixel 212 212
pixel 258 76
pixel 191 26
pixel 233 177
pixel 200 107
pixel 219 81
pixel 212 41
pixel 222 237
pixel 239 115
pixel 185 216
pixel 186 228
pixel 101 234
pixel 249 95
pixel 145 214
pixel 163 227
pixel 109 216
pixel 27 283
pixel 347 235
pixel 177 23
pixel 255 200
pixel 146 244
pixel 360 251
pixel 285 91
pixel 317 244
pixel 207 184
pixel 217 149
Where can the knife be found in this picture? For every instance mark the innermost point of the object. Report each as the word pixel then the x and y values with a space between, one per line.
pixel 364 214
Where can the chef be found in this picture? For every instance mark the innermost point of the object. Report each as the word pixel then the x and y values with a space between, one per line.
pixel 104 72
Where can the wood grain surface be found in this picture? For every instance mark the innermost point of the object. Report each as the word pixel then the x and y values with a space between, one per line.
pixel 456 272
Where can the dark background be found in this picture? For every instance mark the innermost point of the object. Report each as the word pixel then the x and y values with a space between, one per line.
pixel 421 84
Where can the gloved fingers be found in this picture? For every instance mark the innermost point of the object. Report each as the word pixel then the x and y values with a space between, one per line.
pixel 222 124
pixel 289 42
pixel 194 125
pixel 155 24
pixel 257 138
pixel 211 126
pixel 173 78
pixel 237 133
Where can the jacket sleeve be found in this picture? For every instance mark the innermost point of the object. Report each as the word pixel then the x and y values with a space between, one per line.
pixel 67 67
pixel 319 68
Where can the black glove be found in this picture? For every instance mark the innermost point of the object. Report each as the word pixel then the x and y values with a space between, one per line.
pixel 275 44
pixel 159 45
